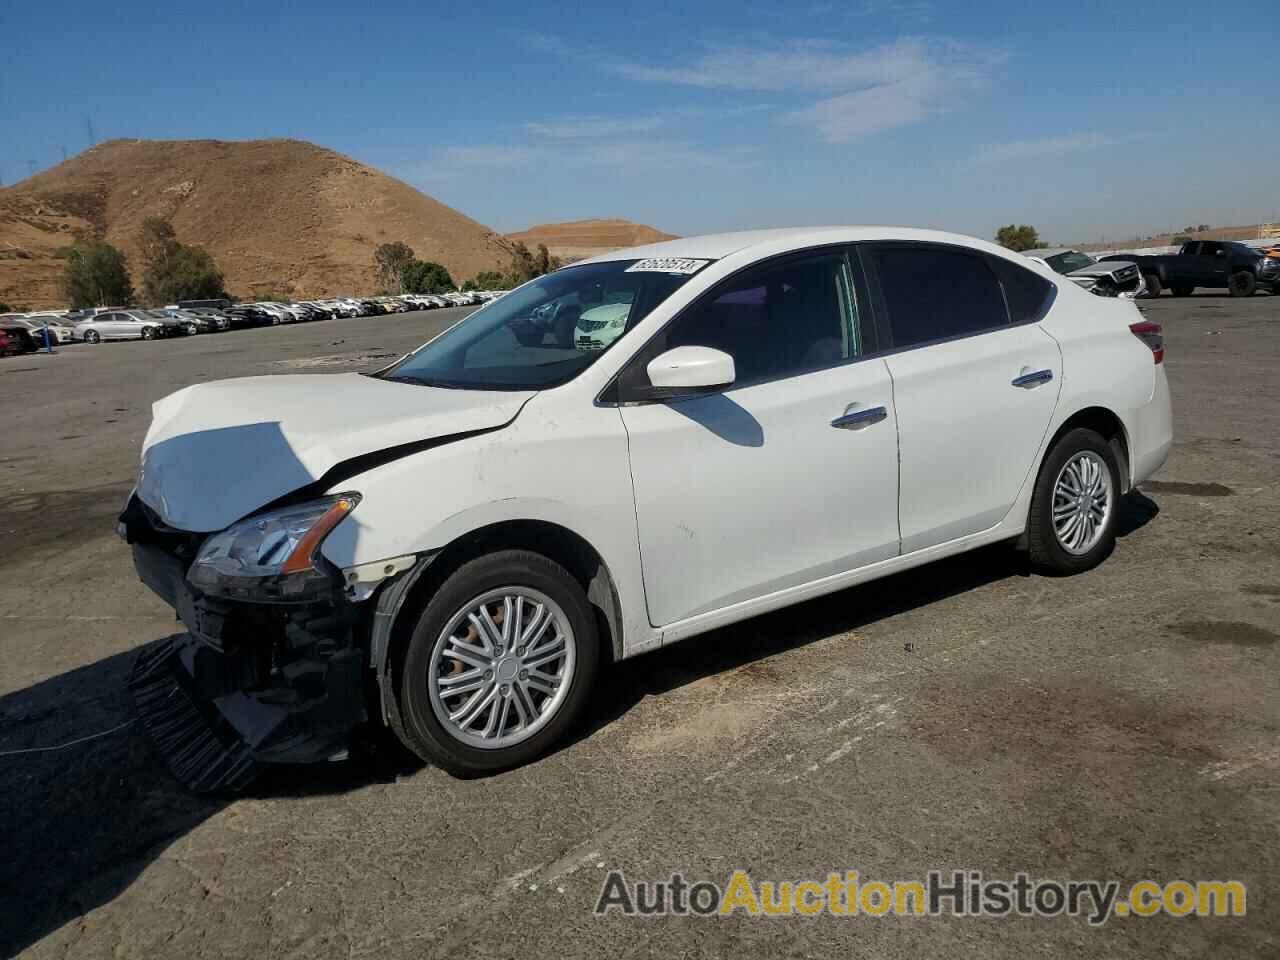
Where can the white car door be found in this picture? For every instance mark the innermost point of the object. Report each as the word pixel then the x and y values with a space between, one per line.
pixel 790 474
pixel 975 382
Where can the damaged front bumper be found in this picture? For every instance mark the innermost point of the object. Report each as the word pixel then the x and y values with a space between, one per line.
pixel 248 683
pixel 1126 283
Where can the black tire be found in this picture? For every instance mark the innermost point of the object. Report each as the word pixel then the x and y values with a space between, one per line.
pixel 1047 554
pixel 413 718
pixel 1154 286
pixel 148 333
pixel 1182 290
pixel 92 336
pixel 1242 283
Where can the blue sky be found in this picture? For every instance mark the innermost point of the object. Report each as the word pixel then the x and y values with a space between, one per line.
pixel 1089 120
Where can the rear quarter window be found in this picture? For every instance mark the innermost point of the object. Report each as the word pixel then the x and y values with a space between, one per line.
pixel 1027 294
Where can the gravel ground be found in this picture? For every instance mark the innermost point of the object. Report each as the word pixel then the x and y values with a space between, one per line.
pixel 1120 724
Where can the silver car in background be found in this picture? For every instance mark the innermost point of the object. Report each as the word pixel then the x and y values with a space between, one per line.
pixel 118 325
pixel 1111 278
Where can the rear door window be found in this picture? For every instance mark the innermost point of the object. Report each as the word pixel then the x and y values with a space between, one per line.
pixel 933 292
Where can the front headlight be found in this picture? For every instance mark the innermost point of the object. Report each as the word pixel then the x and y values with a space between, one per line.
pixel 273 556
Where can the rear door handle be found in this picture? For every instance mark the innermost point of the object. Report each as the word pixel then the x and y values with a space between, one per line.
pixel 860 418
pixel 1033 379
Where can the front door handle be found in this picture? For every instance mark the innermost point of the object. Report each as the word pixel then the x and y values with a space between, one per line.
pixel 857 419
pixel 1033 379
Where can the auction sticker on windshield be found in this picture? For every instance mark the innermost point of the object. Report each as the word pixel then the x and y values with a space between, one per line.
pixel 667 265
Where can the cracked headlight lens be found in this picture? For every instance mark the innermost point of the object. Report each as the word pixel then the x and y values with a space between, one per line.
pixel 272 556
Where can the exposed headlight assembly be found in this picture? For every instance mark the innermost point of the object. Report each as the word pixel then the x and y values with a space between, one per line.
pixel 274 556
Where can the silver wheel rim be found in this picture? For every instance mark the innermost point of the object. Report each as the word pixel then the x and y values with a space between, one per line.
pixel 1082 502
pixel 502 667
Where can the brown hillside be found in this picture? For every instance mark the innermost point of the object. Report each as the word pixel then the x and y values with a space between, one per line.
pixel 587 238
pixel 279 216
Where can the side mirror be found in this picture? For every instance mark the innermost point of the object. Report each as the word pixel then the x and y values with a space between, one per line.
pixel 685 372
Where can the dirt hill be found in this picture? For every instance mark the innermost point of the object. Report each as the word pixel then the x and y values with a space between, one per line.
pixel 280 216
pixel 578 239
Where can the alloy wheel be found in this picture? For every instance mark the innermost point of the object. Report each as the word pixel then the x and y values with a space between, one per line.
pixel 501 667
pixel 1082 502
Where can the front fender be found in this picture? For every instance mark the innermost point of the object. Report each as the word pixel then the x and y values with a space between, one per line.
pixel 568 469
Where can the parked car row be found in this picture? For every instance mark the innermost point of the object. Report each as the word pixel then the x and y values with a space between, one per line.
pixel 27 332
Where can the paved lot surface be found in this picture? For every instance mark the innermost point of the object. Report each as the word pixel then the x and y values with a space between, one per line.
pixel 1121 724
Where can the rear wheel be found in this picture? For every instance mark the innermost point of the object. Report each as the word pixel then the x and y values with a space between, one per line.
pixel 500 664
pixel 1154 286
pixel 1182 290
pixel 1071 526
pixel 1242 284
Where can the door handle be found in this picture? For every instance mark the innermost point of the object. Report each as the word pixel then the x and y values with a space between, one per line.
pixel 860 418
pixel 1033 379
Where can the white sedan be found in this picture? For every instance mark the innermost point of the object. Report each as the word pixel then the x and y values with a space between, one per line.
pixel 59 331
pixel 454 545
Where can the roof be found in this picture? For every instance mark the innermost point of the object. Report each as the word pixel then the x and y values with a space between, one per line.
pixel 1049 252
pixel 716 246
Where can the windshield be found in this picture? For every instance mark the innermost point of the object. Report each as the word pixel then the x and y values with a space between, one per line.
pixel 534 337
pixel 1069 261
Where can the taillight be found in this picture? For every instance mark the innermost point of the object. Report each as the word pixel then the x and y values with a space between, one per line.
pixel 1152 334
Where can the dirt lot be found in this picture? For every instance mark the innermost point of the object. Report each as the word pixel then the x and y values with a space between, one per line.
pixel 1121 724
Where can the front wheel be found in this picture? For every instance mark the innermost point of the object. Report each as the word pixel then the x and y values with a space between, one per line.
pixel 1072 524
pixel 1242 284
pixel 148 333
pixel 1154 286
pixel 499 666
pixel 92 336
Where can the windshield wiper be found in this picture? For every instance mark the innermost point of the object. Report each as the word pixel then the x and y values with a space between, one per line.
pixel 406 378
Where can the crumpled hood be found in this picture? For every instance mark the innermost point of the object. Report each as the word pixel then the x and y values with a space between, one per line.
pixel 216 452
pixel 1101 269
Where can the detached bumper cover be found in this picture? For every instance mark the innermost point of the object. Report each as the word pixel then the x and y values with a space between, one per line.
pixel 248 683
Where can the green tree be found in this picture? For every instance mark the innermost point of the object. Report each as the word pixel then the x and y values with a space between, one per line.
pixel 391 259
pixel 425 276
pixel 525 264
pixel 1018 238
pixel 5 308
pixel 96 275
pixel 172 271
pixel 186 273
pixel 157 240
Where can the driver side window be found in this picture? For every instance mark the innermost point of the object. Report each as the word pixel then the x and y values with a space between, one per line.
pixel 776 320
